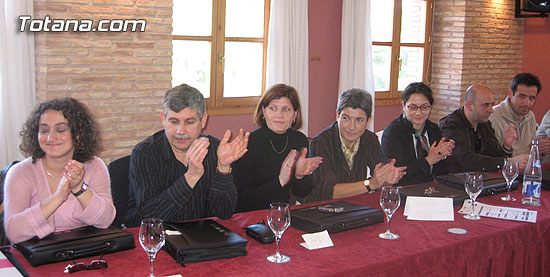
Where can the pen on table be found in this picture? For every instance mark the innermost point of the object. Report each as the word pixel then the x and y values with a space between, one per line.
pixel 13 260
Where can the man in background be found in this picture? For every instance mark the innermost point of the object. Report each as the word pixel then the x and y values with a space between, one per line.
pixel 516 112
pixel 476 147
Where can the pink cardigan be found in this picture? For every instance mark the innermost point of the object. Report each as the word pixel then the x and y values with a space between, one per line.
pixel 26 187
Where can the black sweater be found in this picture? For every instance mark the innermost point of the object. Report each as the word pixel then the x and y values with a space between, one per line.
pixel 256 174
pixel 397 143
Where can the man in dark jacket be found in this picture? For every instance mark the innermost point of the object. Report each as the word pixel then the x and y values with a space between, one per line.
pixel 476 147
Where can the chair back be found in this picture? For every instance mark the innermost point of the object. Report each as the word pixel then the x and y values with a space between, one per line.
pixel 118 172
pixel 3 239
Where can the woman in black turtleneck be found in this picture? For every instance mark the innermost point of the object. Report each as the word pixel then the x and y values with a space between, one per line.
pixel 275 164
pixel 414 141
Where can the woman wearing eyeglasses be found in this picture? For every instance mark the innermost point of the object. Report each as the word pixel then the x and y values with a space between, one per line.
pixel 62 184
pixel 414 141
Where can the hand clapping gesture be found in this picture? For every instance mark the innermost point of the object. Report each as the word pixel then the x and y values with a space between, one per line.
pixel 228 152
pixel 306 166
pixel 297 164
pixel 74 174
pixel 195 156
pixel 510 137
pixel 71 181
pixel 387 174
pixel 440 150
pixel 287 167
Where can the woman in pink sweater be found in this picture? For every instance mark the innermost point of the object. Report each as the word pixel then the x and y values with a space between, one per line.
pixel 62 184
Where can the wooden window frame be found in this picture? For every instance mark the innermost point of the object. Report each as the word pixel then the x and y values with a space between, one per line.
pixel 393 96
pixel 217 104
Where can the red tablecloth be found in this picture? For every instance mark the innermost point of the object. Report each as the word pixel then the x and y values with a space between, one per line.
pixel 491 247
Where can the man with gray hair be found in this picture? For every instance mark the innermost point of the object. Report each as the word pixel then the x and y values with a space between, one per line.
pixel 178 173
pixel 352 156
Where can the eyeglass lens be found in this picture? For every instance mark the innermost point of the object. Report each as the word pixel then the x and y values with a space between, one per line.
pixel 423 108
pixel 95 264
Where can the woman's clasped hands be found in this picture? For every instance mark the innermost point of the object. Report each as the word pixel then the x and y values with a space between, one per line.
pixel 72 179
pixel 297 164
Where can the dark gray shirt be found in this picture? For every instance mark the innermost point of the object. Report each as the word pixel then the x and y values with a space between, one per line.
pixel 159 189
pixel 334 168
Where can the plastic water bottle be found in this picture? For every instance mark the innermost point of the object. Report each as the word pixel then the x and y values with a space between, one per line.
pixel 532 177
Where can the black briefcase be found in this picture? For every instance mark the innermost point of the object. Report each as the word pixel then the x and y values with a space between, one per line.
pixel 493 182
pixel 74 244
pixel 432 189
pixel 203 240
pixel 335 217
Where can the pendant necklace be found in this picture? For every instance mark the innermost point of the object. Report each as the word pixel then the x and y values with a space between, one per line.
pixel 284 148
pixel 47 172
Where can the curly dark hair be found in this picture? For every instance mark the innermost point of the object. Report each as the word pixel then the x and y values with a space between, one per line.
pixel 85 131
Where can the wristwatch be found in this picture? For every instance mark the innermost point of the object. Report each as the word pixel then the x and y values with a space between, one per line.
pixel 82 190
pixel 367 185
pixel 224 173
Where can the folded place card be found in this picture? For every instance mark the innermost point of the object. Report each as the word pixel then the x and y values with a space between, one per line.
pixel 317 240
pixel 429 208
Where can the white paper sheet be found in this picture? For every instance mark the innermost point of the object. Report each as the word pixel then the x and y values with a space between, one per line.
pixel 429 208
pixel 507 213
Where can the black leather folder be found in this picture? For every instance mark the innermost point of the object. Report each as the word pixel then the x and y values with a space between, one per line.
pixel 432 189
pixel 74 244
pixel 203 240
pixel 493 182
pixel 311 219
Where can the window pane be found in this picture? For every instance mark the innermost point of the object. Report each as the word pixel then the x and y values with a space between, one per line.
pixel 413 21
pixel 412 66
pixel 192 18
pixel 191 64
pixel 243 69
pixel 244 18
pixel 381 18
pixel 381 64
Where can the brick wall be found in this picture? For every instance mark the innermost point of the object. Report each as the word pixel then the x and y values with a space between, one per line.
pixel 120 76
pixel 474 41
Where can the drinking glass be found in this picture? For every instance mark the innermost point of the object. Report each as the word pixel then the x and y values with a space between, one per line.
pixel 510 172
pixel 389 201
pixel 278 219
pixel 151 238
pixel 473 186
